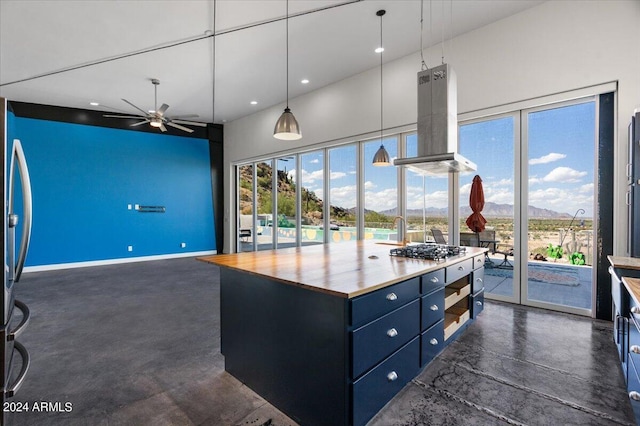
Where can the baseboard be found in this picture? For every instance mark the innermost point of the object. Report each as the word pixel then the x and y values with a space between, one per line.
pixel 57 266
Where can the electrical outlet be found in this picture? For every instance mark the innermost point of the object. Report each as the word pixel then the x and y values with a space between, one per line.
pixel 183 245
pixel 137 207
pixel 129 206
pixel 129 248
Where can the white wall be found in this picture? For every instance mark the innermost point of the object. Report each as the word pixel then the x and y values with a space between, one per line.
pixel 555 47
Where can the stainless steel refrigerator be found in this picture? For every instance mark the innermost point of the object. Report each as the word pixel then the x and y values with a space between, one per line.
pixel 633 191
pixel 15 314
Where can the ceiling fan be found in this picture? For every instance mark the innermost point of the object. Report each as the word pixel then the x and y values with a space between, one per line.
pixel 156 118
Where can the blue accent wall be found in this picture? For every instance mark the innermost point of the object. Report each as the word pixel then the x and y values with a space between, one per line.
pixel 84 177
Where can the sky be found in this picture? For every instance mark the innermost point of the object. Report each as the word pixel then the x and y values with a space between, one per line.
pixel 559 165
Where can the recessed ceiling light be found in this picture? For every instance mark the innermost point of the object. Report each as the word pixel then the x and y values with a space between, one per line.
pixel 94 103
pixel 304 81
pixel 254 102
pixel 379 49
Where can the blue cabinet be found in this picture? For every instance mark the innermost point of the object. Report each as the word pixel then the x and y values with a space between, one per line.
pixel 329 360
pixel 449 298
pixel 626 331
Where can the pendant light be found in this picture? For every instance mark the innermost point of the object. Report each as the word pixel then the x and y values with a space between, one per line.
pixel 382 156
pixel 287 127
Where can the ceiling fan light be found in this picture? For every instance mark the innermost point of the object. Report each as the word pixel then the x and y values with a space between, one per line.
pixel 287 127
pixel 382 157
pixel 156 123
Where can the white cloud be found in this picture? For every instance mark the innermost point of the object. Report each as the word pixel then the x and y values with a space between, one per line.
pixel 344 196
pixel 438 199
pixel 314 161
pixel 549 158
pixel 381 200
pixel 587 188
pixel 369 185
pixel 564 175
pixel 560 200
pixel 310 177
pixel 337 175
pixel 534 179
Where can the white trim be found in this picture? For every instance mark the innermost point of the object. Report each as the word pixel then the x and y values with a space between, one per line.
pixel 527 104
pixel 335 143
pixel 58 266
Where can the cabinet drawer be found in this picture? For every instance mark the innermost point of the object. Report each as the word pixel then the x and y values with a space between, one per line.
pixel 373 390
pixel 634 309
pixel 477 280
pixel 432 308
pixel 478 261
pixel 376 340
pixel 459 270
pixel 633 389
pixel 431 343
pixel 371 306
pixel 477 304
pixel 432 281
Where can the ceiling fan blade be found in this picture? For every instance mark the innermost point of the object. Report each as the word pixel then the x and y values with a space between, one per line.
pixel 177 126
pixel 191 123
pixel 164 129
pixel 142 122
pixel 162 109
pixel 185 116
pixel 145 113
pixel 123 116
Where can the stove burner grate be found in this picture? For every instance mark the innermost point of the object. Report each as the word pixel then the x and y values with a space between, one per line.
pixel 428 251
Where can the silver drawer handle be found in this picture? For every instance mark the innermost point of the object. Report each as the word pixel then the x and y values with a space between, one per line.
pixel 392 332
pixel 635 310
pixel 433 307
pixel 479 303
pixel 392 376
pixel 633 395
pixel 479 280
pixel 392 297
pixel 434 280
pixel 635 349
pixel 460 268
pixel 433 341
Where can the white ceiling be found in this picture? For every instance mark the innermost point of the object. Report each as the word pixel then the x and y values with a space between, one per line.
pixel 69 53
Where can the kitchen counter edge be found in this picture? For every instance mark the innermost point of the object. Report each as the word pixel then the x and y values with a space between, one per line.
pixel 346 269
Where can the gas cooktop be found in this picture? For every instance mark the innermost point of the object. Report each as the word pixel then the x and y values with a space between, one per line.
pixel 428 251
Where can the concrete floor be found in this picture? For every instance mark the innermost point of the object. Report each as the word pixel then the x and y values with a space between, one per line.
pixel 139 344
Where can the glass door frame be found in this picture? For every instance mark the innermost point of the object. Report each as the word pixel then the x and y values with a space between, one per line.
pixel 521 196
pixel 524 197
pixel 517 216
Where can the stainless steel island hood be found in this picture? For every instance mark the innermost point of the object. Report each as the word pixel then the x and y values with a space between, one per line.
pixel 437 125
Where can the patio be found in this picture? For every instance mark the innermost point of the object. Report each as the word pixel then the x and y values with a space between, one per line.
pixel 568 285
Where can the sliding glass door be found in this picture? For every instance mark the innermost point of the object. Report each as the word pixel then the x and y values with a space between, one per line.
pixel 538 173
pixel 560 152
pixel 492 144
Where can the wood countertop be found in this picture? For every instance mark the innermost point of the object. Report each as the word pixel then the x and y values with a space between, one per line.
pixel 346 269
pixel 633 287
pixel 623 262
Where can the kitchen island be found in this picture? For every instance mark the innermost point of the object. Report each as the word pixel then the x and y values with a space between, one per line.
pixel 330 333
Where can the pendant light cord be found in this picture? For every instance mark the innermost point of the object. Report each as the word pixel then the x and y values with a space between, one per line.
pixel 213 63
pixel 287 74
pixel 381 102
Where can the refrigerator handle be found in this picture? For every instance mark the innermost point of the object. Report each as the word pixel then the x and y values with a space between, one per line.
pixel 628 198
pixel 26 361
pixel 26 315
pixel 17 154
